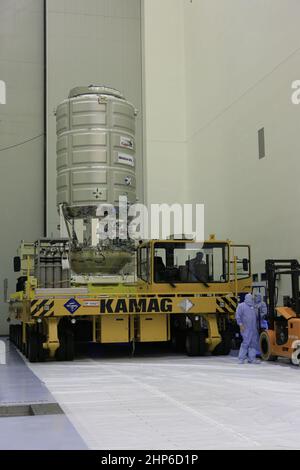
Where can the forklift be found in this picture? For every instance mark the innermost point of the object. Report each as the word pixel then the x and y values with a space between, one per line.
pixel 283 337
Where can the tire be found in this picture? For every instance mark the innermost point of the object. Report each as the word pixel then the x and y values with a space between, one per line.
pixel 17 342
pixel 66 350
pixel 70 346
pixel 41 350
pixel 33 347
pixel 265 348
pixel 224 348
pixel 195 344
pixel 17 337
pixel 20 337
pixel 26 347
pixel 12 334
pixel 178 341
pixel 61 354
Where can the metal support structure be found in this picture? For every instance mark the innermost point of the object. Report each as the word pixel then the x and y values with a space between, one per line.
pixel 214 338
pixel 52 343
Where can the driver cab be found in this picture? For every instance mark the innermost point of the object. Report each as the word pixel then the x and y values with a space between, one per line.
pixel 182 262
pixel 179 262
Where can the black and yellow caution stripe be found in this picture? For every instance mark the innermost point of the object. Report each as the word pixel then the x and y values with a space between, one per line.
pixel 42 308
pixel 226 304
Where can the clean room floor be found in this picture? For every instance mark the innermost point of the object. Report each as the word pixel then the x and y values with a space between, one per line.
pixel 20 387
pixel 167 401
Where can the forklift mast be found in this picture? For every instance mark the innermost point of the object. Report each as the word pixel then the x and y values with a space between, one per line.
pixel 275 268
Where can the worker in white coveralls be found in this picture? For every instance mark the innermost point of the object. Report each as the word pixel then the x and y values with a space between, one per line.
pixel 247 320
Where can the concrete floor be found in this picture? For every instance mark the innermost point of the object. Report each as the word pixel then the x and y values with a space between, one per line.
pixel 175 402
pixel 18 387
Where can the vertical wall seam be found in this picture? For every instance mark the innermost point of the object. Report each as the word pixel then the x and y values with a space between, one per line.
pixel 45 176
pixel 143 78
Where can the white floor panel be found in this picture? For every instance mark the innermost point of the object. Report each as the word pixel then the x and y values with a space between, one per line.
pixel 175 402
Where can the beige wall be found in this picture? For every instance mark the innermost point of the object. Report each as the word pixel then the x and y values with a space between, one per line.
pixel 241 58
pixel 165 120
pixel 21 119
pixel 215 73
pixel 92 42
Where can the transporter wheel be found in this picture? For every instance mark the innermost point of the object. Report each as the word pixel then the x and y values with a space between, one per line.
pixel 41 350
pixel 61 354
pixel 178 341
pixel 17 340
pixel 70 345
pixel 26 346
pixel 265 348
pixel 33 346
pixel 15 335
pixel 11 327
pixel 224 348
pixel 20 337
pixel 12 333
pixel 66 350
pixel 195 344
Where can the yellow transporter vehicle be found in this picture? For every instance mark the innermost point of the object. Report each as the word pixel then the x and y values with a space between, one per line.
pixel 185 292
pixel 89 285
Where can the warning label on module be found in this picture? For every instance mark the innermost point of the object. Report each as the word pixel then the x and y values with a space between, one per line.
pixel 127 142
pixel 125 159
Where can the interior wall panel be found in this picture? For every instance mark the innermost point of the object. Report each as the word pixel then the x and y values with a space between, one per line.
pixel 21 133
pixel 92 42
